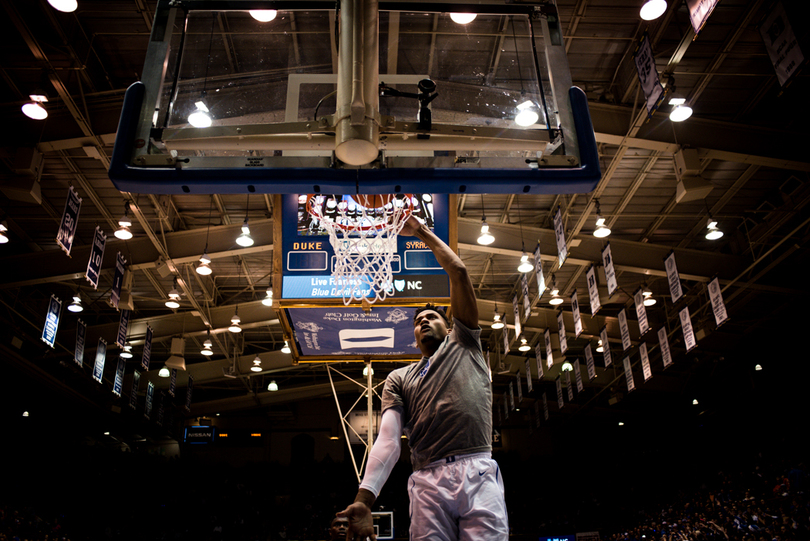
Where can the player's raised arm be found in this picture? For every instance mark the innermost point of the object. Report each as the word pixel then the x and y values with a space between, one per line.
pixel 462 294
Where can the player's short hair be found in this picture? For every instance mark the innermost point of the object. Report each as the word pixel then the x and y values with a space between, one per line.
pixel 438 309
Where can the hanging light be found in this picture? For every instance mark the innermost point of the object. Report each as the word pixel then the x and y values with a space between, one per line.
pixel 486 237
pixel 263 15
pixel 366 369
pixel 497 322
pixel 204 268
pixel 208 346
pixel 200 117
pixel 286 348
pixel 527 114
pixel 567 366
pixel 34 109
pixel 124 223
pixel 235 320
pixel 758 367
pixel 648 298
pixel 713 232
pixel 680 113
pixel 652 9
pixel 257 364
pixel 462 18
pixel 3 233
pixel 76 305
pixel 524 344
pixel 66 6
pixel 164 372
pixel 174 297
pixel 601 230
pixel 695 402
pixel 245 239
pixel 126 352
pixel 555 292
pixel 600 347
pixel 273 386
pixel 268 300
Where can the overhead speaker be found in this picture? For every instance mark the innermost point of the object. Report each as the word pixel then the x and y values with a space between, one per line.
pixel 176 360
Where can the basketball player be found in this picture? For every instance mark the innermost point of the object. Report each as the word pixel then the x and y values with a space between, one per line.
pixel 443 404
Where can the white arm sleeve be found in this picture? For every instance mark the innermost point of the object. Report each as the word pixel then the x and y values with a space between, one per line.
pixel 384 453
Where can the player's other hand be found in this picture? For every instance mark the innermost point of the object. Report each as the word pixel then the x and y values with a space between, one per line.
pixel 412 225
pixel 361 525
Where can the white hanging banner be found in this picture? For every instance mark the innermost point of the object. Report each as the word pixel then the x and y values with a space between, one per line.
pixel 628 374
pixel 150 395
pixel 118 279
pixel 528 376
pixel 81 337
pixel 123 328
pixel 96 257
pixel 606 346
pixel 589 364
pixel 519 387
pixel 538 357
pixel 781 44
pixel 688 332
pixel 505 341
pixel 549 354
pixel 624 329
pixel 118 383
pixel 699 11
pixel 568 387
pixel 663 343
pixel 516 310
pixel 51 321
pixel 610 272
pixel 674 280
pixel 538 272
pixel 648 74
pixel 527 303
pixel 147 349
pixel 545 407
pixel 577 316
pixel 645 361
pixel 172 382
pixel 578 376
pixel 593 290
pixel 101 357
pixel 559 233
pixel 561 330
pixel 641 312
pixel 511 396
pixel 188 392
pixel 133 395
pixel 718 306
pixel 560 401
pixel 70 220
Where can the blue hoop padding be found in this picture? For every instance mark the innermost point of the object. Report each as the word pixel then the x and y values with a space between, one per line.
pixel 169 180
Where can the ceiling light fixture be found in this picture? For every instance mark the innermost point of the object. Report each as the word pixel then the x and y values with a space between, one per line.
pixel 649 300
pixel 463 18
pixel 524 265
pixel 366 369
pixel 199 118
pixel 713 233
pixel 257 364
pixel 126 351
pixel 208 345
pixel 680 113
pixel 76 305
pixel 758 367
pixel 273 386
pixel 652 9
pixel 286 348
pixel 497 322
pixel 527 114
pixel 245 239
pixel 34 109
pixel 486 237
pixel 600 347
pixel 695 402
pixel 524 344
pixel 263 15
pixel 567 366
pixel 204 268
pixel 124 223
pixel 3 233
pixel 268 300
pixel 66 6
pixel 235 321
pixel 556 299
pixel 164 372
pixel 601 230
pixel 174 297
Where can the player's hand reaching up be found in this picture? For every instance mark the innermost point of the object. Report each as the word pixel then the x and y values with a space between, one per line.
pixel 361 524
pixel 412 225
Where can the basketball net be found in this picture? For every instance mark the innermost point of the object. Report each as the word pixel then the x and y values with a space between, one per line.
pixel 365 241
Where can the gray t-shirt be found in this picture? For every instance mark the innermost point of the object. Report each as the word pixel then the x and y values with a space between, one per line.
pixel 446 400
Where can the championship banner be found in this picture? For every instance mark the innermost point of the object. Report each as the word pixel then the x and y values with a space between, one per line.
pixel 688 332
pixel 628 373
pixel 96 257
pixel 505 335
pixel 645 361
pixel 118 382
pixel 648 74
pixel 545 407
pixel 150 395
pixel 560 402
pixel 51 321
pixel 549 350
pixel 605 346
pixel 101 358
pixel 641 312
pixel 624 329
pixel 577 315
pixel 123 328
pixel 593 290
pixel 528 376
pixel 718 306
pixel 516 310
pixel 538 357
pixel 589 364
pixel 511 397
pixel 527 303
pixel 188 392
pixel 81 336
pixel 578 376
pixel 161 399
pixel 519 387
pixel 699 11
pixel 118 280
pixel 561 330
pixel 568 387
pixel 663 343
pixel 172 382
pixel 673 279
pixel 610 272
pixel 559 233
pixel 70 220
pixel 147 349
pixel 781 44
pixel 133 395
pixel 538 272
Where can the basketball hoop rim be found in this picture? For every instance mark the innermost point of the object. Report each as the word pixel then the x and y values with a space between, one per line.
pixel 407 210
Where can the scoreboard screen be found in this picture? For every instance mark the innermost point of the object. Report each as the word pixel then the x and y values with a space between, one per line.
pixel 334 205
